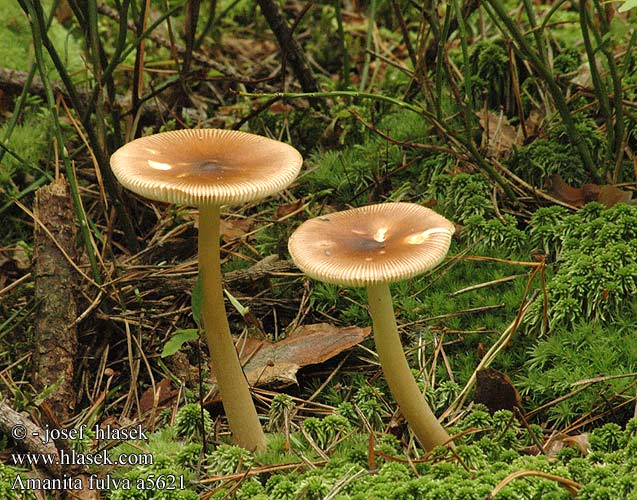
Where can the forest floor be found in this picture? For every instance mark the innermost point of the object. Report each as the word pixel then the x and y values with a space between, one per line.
pixel 515 121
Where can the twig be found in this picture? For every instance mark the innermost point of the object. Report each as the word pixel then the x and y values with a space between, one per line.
pixel 291 49
pixel 484 285
pixel 572 486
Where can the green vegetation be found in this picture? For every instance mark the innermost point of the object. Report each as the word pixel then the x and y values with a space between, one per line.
pixel 489 451
pixel 473 109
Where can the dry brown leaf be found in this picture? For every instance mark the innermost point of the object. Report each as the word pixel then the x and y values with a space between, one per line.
pixel 281 107
pixel 607 195
pixel 557 443
pixel 267 362
pixel 288 208
pixel 165 394
pixel 496 391
pixel 233 229
pixel 21 258
pixel 611 195
pixel 500 134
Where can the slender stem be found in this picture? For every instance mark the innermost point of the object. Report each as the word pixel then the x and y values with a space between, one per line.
pixel 397 372
pixel 233 386
pixel 368 44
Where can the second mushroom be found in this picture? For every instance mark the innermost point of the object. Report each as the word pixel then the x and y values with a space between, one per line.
pixel 371 247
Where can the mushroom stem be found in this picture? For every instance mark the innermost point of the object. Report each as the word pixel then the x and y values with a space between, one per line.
pixel 397 372
pixel 233 386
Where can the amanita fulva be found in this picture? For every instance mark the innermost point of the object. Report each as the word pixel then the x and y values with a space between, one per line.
pixel 209 168
pixel 372 247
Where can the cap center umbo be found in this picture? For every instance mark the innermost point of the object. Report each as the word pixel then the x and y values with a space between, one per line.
pixel 368 245
pixel 210 166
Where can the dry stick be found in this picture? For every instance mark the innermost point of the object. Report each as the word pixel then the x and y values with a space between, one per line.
pixel 55 280
pixel 571 486
pixel 289 46
pixel 484 285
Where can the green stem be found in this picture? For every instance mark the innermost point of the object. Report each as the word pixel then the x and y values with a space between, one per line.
pixel 37 27
pixel 468 111
pixel 537 32
pixel 598 83
pixel 368 44
pixel 440 56
pixel 554 89
pixel 345 80
pixel 460 141
pixel 397 372
pixel 233 386
pixel 39 31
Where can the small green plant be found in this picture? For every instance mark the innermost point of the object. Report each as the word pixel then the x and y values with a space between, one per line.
pixel 575 353
pixel 543 158
pixel 490 70
pixel 227 459
pixel 8 477
pixel 191 419
pixel 596 266
pixel 462 196
pixel 279 415
pixel 326 431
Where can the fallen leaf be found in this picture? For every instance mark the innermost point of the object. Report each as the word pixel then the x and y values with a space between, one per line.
pixel 583 77
pixel 288 208
pixel 233 229
pixel 607 195
pixel 496 391
pixel 281 107
pixel 560 441
pixel 500 135
pixel 21 257
pixel 611 195
pixel 165 393
pixel 265 362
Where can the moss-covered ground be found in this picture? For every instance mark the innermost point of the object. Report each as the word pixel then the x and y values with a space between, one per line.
pixel 523 135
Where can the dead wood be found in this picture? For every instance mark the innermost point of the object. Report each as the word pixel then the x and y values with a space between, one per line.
pixel 13 81
pixel 27 434
pixel 291 49
pixel 55 330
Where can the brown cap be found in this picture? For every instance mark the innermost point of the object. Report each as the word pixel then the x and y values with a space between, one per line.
pixel 205 166
pixel 371 245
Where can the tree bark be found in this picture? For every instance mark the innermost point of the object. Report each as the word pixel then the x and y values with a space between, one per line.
pixel 55 332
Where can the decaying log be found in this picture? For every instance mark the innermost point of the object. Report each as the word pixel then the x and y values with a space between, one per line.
pixel 55 332
pixel 30 436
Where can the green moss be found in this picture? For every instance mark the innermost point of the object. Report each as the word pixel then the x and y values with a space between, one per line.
pixel 540 160
pixel 16 50
pixel 490 72
pixel 30 141
pixel 596 264
pixel 575 353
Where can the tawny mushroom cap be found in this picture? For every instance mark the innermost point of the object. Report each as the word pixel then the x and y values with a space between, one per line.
pixel 373 246
pixel 370 245
pixel 205 166
pixel 209 168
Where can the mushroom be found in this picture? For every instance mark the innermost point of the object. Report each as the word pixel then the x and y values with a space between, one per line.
pixel 371 247
pixel 209 168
